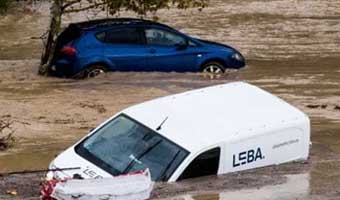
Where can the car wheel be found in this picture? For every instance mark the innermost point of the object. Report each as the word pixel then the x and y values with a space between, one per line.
pixel 94 71
pixel 213 68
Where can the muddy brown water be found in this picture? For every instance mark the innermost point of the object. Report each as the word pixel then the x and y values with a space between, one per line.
pixel 292 48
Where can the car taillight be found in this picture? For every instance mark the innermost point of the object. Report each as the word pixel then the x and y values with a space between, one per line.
pixel 69 50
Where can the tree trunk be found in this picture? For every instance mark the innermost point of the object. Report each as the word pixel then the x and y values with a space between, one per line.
pixel 55 25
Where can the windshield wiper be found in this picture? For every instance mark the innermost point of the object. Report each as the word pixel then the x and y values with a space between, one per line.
pixel 168 166
pixel 133 158
pixel 140 156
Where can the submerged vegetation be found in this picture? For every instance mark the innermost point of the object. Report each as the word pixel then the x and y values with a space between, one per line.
pixel 7 139
pixel 3 6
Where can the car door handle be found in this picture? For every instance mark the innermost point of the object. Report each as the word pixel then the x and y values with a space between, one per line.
pixel 152 50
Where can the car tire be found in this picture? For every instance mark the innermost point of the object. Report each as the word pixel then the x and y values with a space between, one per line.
pixel 213 67
pixel 94 70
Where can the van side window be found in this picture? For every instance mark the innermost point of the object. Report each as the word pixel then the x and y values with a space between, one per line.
pixel 205 164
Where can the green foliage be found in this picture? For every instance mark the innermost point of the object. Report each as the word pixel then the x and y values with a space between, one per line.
pixel 4 6
pixel 141 7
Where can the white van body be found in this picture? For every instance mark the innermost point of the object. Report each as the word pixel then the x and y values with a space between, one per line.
pixel 250 127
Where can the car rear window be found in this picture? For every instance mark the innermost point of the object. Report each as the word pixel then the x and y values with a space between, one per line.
pixel 120 36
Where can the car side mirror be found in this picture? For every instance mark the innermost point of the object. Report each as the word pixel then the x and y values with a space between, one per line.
pixel 181 46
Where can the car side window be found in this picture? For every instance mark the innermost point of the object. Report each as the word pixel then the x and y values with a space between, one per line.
pixel 163 38
pixel 122 36
pixel 192 44
pixel 101 36
pixel 205 164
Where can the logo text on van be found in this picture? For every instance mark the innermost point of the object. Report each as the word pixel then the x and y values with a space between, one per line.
pixel 91 173
pixel 245 157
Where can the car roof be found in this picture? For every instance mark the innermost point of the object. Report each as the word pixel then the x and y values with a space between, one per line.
pixel 204 118
pixel 109 22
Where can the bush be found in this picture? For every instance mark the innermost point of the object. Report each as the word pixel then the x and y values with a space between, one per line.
pixel 7 139
pixel 3 6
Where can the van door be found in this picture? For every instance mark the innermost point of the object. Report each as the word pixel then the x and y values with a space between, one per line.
pixel 276 147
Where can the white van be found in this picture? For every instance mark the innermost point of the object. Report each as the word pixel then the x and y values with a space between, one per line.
pixel 214 130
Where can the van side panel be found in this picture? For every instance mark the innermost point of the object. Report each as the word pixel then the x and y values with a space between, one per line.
pixel 272 148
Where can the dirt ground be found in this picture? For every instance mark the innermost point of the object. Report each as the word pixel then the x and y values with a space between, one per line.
pixel 292 48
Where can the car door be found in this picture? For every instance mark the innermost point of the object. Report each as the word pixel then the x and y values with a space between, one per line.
pixel 125 48
pixel 169 51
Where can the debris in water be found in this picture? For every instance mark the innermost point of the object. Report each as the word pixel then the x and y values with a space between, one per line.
pixel 98 107
pixel 137 186
pixel 314 106
pixel 12 192
pixel 7 139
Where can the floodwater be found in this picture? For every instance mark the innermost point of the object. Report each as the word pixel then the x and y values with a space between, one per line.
pixel 292 48
pixel 295 187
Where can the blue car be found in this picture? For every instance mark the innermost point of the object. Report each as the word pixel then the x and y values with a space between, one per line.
pixel 87 49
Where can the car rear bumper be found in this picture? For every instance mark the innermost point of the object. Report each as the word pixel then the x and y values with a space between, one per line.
pixel 62 68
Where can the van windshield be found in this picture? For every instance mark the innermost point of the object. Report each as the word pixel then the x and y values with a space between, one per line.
pixel 124 145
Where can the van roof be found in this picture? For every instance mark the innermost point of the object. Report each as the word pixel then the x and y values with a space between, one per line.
pixel 202 118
